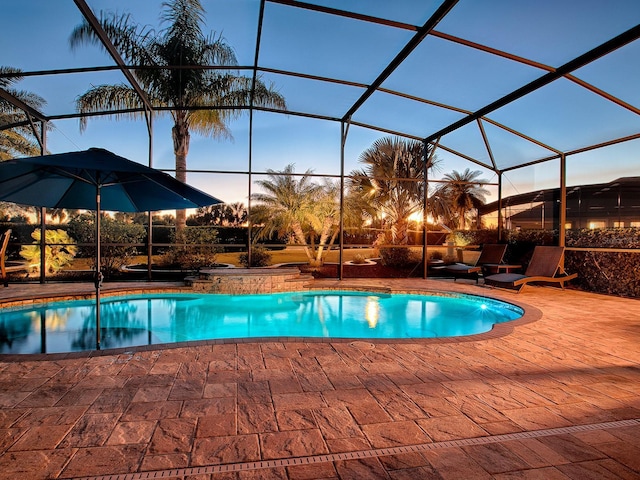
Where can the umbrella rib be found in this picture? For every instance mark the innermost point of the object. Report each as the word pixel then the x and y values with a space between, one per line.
pixel 140 178
pixel 22 175
pixel 73 176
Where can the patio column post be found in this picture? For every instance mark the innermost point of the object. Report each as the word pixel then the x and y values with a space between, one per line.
pixel 563 201
pixel 150 220
pixel 43 212
pixel 500 227
pixel 425 201
pixel 344 130
pixel 424 211
pixel 98 274
pixel 249 180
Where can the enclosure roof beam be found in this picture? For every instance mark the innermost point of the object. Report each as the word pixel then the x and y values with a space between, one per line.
pixel 345 13
pixel 532 63
pixel 254 77
pixel 28 109
pixel 578 62
pixel 420 35
pixel 106 42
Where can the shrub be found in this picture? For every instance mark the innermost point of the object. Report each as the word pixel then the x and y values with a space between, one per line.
pixel 437 255
pixel 614 273
pixel 359 259
pixel 520 244
pixel 476 237
pixel 260 257
pixel 59 251
pixel 116 239
pixel 194 248
pixel 459 239
pixel 396 257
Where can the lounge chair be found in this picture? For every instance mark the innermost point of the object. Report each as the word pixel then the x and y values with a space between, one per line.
pixel 545 266
pixel 491 253
pixel 6 267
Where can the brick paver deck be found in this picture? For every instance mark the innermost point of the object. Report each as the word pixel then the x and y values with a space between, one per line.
pixel 555 398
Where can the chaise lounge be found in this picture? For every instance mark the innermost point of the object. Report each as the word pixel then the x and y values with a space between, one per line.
pixel 490 254
pixel 545 266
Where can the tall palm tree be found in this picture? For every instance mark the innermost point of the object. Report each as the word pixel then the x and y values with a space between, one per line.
pixel 17 141
pixel 182 43
pixel 392 181
pixel 306 211
pixel 465 192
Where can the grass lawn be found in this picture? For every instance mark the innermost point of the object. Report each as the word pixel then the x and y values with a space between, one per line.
pixel 291 254
pixel 294 254
pixel 288 255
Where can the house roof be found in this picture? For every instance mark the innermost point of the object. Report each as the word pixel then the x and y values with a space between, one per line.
pixel 622 192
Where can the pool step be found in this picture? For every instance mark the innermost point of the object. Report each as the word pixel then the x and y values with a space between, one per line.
pixel 249 280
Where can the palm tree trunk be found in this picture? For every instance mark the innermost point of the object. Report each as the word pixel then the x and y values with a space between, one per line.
pixel 181 137
pixel 463 223
pixel 299 234
pixel 401 232
pixel 324 235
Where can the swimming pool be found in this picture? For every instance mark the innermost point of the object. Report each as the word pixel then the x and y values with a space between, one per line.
pixel 147 319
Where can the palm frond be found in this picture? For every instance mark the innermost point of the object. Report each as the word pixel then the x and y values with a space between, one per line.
pixel 109 97
pixel 5 82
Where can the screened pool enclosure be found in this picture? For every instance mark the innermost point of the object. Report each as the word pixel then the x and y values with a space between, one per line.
pixel 514 115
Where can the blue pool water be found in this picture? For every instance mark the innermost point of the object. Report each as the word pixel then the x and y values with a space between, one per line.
pixel 135 320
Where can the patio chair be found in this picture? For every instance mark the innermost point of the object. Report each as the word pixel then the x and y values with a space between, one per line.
pixel 7 267
pixel 490 254
pixel 544 267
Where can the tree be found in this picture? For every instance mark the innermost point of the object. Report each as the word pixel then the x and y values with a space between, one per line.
pixel 223 214
pixel 17 141
pixel 464 192
pixel 439 207
pixel 117 240
pixel 392 182
pixel 183 90
pixel 61 213
pixel 305 211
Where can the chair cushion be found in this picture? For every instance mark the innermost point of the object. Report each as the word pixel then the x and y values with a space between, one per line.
pixel 504 277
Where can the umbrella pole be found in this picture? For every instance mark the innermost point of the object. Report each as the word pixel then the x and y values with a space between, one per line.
pixel 98 275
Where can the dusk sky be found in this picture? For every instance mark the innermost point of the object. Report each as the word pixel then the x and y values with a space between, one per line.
pixel 563 115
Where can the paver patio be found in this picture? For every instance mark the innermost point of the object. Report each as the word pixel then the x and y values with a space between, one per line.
pixel 555 398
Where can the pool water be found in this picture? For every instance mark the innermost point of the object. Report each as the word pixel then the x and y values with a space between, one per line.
pixel 135 320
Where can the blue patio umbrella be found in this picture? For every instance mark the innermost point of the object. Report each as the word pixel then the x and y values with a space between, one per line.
pixel 95 179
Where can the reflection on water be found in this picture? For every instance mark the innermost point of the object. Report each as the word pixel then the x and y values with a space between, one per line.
pixel 151 319
pixel 373 311
pixel 70 326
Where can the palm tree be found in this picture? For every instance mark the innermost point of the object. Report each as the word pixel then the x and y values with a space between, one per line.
pixel 235 214
pixel 18 141
pixel 227 215
pixel 181 43
pixel 439 207
pixel 300 208
pixel 58 213
pixel 392 181
pixel 465 193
